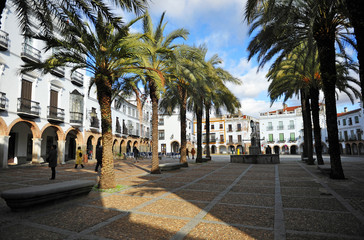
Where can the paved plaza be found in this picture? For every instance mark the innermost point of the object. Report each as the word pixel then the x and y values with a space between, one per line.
pixel 213 200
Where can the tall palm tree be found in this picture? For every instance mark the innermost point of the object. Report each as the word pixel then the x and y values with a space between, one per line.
pixel 284 25
pixel 109 54
pixel 184 70
pixel 159 51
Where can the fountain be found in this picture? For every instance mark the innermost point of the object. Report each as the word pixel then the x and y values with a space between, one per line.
pixel 255 155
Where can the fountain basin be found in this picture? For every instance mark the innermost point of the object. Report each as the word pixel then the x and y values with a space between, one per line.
pixel 255 158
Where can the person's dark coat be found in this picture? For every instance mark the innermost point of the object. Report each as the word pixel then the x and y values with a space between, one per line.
pixel 52 158
pixel 99 154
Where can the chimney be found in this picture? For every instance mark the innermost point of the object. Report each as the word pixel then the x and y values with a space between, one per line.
pixel 284 106
pixel 345 109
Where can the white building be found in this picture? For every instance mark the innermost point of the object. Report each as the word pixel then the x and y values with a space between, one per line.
pixel 39 110
pixel 351 129
pixel 282 130
pixel 169 133
pixel 228 134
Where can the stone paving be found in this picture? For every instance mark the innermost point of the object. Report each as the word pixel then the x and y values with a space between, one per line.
pixel 213 200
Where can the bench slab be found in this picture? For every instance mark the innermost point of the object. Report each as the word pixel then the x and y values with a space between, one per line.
pixel 169 166
pixel 22 198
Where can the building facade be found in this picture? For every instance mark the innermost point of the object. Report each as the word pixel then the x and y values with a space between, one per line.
pixel 229 134
pixel 282 130
pixel 39 110
pixel 351 129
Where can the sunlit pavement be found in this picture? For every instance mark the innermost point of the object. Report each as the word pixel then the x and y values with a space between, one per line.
pixel 213 200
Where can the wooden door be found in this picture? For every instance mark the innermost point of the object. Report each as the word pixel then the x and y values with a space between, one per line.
pixel 53 103
pixel 26 96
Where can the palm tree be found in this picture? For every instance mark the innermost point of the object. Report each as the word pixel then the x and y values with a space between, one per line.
pixel 110 55
pixel 160 50
pixel 184 70
pixel 284 25
pixel 45 10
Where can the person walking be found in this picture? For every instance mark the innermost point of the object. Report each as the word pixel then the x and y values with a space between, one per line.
pixel 193 151
pixel 98 157
pixel 79 157
pixel 52 161
pixel 136 153
pixel 187 152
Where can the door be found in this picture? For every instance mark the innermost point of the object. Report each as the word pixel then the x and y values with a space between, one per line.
pixel 53 104
pixel 11 149
pixel 26 96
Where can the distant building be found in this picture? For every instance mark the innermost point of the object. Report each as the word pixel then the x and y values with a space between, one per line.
pixel 282 130
pixel 229 134
pixel 351 129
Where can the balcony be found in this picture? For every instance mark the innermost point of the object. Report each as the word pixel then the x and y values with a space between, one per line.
pixel 280 127
pixel 76 119
pixel 58 71
pixel 270 128
pixel 290 126
pixel 2 101
pixel 94 123
pixel 118 129
pixel 4 40
pixel 77 78
pixel 55 114
pixel 30 54
pixel 28 108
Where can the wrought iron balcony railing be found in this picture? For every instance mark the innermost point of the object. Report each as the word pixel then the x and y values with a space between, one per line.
pixel 30 54
pixel 76 118
pixel 28 107
pixel 77 78
pixel 280 127
pixel 58 71
pixel 4 40
pixel 55 114
pixel 94 122
pixel 291 126
pixel 269 128
pixel 2 101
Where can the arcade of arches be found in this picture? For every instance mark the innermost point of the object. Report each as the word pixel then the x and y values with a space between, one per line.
pixel 23 142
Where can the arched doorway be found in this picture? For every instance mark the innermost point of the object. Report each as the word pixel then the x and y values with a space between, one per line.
pixel 128 147
pixel 175 147
pixel 222 150
pixel 239 150
pixel 285 149
pixel 355 149
pixel 361 148
pixel 293 149
pixel 276 149
pixel 70 148
pixel 50 138
pixel 213 149
pixel 231 149
pixel 89 147
pixel 20 148
pixel 347 149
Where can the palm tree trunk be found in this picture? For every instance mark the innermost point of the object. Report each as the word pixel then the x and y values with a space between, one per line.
pixel 304 119
pixel 356 16
pixel 308 129
pixel 107 178
pixel 183 96
pixel 207 123
pixel 326 49
pixel 316 123
pixel 155 158
pixel 198 110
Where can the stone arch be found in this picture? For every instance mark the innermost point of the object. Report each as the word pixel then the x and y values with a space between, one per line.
pixel 79 138
pixel 239 149
pixel 213 149
pixel 231 149
pixel 3 127
pixel 175 146
pixel 222 149
pixel 33 127
pixel 115 143
pixel 361 148
pixel 293 149
pixel 354 148
pixel 59 131
pixel 276 149
pixel 348 149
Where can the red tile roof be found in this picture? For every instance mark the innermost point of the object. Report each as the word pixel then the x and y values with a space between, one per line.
pixel 346 113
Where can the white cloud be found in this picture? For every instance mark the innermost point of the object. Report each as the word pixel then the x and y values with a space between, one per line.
pixel 253 107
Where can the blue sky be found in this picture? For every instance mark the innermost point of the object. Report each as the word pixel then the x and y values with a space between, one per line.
pixel 221 26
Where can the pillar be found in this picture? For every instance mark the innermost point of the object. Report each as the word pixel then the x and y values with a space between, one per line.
pixel 37 146
pixel 61 144
pixel 4 147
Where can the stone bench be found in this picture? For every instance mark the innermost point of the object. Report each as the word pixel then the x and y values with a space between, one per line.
pixel 169 166
pixel 22 198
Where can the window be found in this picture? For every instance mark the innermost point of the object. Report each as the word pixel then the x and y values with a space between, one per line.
pixel 212 137
pixel 292 137
pixel 221 138
pixel 230 128
pixel 129 113
pixel 230 139
pixel 291 124
pixel 221 126
pixel 281 137
pixel 239 138
pixel 280 125
pixel 270 137
pixel 338 122
pixel 350 121
pixel 161 122
pixel 358 133
pixel 134 113
pixel 356 119
pixel 346 135
pixel 344 122
pixel 124 109
pixel 239 126
pixel 212 126
pixel 270 126
pixel 161 134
